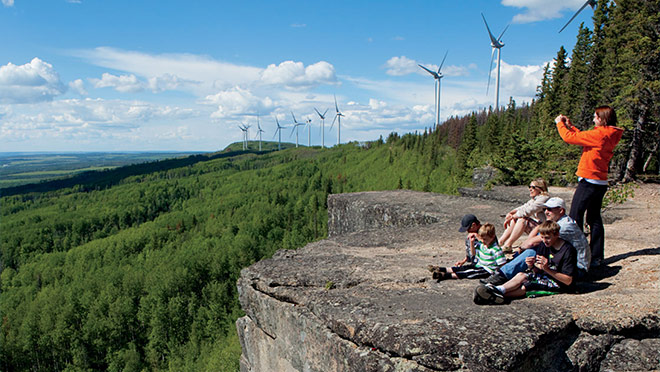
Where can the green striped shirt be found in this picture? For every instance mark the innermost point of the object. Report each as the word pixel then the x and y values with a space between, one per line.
pixel 489 257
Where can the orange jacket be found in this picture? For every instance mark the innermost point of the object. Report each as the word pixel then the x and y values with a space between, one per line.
pixel 597 148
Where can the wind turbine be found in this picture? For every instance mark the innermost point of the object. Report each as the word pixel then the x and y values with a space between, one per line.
pixel 591 3
pixel 437 76
pixel 322 126
pixel 295 127
pixel 338 116
pixel 259 132
pixel 278 131
pixel 247 136
pixel 244 129
pixel 496 44
pixel 308 122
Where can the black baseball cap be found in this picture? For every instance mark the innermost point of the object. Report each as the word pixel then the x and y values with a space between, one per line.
pixel 467 221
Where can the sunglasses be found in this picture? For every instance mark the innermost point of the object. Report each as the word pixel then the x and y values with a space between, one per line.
pixel 549 209
pixel 533 187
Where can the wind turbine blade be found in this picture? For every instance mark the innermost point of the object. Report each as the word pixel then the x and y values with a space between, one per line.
pixel 333 121
pixel 502 34
pixel 443 62
pixel 325 112
pixel 492 38
pixel 490 69
pixel 336 107
pixel 588 2
pixel 317 111
pixel 429 71
pixel 294 117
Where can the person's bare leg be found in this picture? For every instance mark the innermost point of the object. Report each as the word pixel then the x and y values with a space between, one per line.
pixel 514 287
pixel 516 232
pixel 507 231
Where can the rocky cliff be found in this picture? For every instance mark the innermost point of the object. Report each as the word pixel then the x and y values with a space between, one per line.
pixel 362 299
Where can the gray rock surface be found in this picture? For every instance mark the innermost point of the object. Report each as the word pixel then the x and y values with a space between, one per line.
pixel 633 355
pixel 362 300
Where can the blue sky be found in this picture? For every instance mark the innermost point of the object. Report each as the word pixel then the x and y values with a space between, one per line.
pixel 98 75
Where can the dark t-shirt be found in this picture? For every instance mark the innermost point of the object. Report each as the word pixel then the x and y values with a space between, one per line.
pixel 563 260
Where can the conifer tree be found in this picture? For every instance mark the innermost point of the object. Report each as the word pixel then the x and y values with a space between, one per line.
pixel 634 41
pixel 559 89
pixel 580 87
pixel 467 145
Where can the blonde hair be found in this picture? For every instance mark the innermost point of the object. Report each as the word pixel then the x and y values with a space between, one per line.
pixel 487 230
pixel 541 184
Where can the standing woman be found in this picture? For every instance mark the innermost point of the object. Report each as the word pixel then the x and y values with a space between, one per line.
pixel 597 150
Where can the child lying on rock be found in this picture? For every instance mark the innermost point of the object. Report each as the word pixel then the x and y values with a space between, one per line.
pixel 551 270
pixel 489 257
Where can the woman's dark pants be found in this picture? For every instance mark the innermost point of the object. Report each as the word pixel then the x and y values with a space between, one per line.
pixel 589 198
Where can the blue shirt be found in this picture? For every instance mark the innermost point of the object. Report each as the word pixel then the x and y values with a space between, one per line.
pixel 570 232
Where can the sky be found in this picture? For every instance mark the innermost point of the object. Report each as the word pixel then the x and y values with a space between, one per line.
pixel 99 75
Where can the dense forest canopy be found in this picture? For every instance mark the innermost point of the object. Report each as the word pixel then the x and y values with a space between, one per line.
pixel 138 271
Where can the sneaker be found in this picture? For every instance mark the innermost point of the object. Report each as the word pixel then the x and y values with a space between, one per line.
pixel 482 296
pixel 441 276
pixel 436 269
pixel 477 298
pixel 498 296
pixel 488 294
pixel 495 279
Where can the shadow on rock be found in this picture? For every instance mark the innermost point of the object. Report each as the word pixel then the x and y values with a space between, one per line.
pixel 641 252
pixel 602 272
pixel 588 287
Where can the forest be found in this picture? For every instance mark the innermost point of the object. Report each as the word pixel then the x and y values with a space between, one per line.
pixel 136 270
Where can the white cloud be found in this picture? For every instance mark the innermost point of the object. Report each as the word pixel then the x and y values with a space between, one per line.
pixel 8 3
pixel 166 82
pixel 122 83
pixel 78 86
pixel 299 25
pixel 538 10
pixel 132 84
pixel 36 81
pixel 237 102
pixel 73 119
pixel 522 80
pixel 399 66
pixel 197 72
pixel 296 76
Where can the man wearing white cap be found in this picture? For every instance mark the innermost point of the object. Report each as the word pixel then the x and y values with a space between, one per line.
pixel 555 210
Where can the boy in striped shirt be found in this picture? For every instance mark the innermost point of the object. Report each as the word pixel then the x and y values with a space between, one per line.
pixel 489 257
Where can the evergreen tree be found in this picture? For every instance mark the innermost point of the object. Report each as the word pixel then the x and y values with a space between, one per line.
pixel 634 41
pixel 558 93
pixel 579 87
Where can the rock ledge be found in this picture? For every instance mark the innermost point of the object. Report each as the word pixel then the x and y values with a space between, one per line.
pixel 363 301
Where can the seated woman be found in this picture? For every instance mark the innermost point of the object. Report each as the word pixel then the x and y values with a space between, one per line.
pixel 526 217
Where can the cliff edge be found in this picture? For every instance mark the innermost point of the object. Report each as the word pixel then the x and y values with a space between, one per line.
pixel 362 299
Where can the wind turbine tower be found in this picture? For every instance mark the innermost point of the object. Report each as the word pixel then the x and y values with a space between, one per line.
pixel 259 131
pixel 338 116
pixel 244 129
pixel 247 136
pixel 308 122
pixel 437 76
pixel 295 127
pixel 322 126
pixel 278 131
pixel 496 43
pixel 591 3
